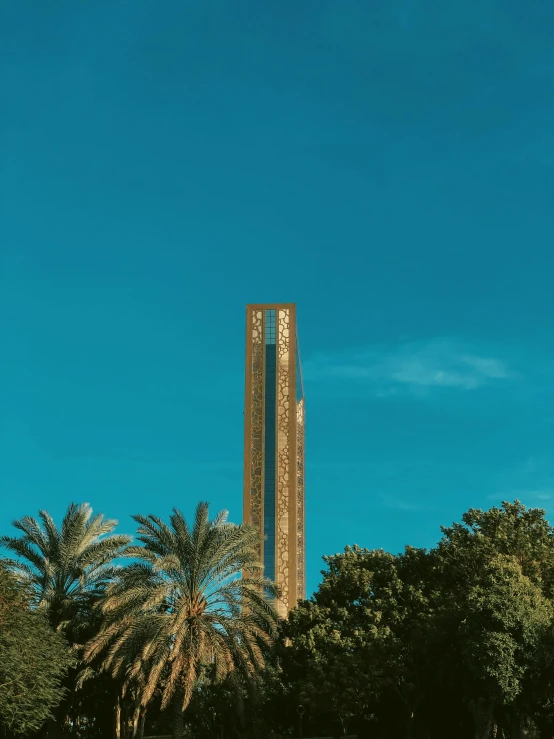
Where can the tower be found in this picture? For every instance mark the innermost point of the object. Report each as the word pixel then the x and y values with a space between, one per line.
pixel 274 446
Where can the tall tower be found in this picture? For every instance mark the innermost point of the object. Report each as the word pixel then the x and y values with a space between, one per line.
pixel 274 446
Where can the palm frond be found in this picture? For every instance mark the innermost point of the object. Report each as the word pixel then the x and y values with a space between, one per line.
pixel 66 566
pixel 183 604
pixel 23 548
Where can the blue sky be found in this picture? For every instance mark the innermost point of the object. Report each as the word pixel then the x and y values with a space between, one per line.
pixel 387 166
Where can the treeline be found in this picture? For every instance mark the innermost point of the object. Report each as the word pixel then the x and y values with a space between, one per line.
pixel 456 642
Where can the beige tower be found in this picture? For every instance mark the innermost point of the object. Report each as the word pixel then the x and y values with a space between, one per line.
pixel 274 446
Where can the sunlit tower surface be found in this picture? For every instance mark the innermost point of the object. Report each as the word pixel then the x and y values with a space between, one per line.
pixel 274 446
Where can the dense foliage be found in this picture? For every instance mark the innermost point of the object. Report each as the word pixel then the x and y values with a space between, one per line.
pixel 33 661
pixel 66 570
pixel 455 641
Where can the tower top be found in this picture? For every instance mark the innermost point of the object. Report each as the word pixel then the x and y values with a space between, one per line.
pixel 270 306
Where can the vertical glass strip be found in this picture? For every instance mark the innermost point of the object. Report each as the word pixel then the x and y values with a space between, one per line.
pixel 270 443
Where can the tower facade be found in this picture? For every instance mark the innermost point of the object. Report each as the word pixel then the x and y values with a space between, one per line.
pixel 274 447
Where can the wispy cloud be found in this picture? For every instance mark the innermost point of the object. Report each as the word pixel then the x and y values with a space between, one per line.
pixel 414 366
pixel 399 504
pixel 536 497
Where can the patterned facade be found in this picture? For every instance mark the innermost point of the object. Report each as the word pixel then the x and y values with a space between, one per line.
pixel 274 447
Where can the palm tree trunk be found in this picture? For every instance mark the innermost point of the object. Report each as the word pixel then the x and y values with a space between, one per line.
pixel 178 718
pixel 139 719
pixel 142 722
pixel 178 724
pixel 136 719
pixel 125 719
pixel 117 719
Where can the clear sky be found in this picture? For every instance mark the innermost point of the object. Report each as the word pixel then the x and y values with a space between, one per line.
pixel 388 166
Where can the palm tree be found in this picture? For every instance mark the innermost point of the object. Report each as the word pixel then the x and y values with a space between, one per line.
pixel 183 605
pixel 67 567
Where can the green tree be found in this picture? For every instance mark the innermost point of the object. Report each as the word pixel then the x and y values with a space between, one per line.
pixel 33 660
pixel 497 570
pixel 66 570
pixel 500 619
pixel 512 530
pixel 361 649
pixel 182 605
pixel 65 566
pixel 457 641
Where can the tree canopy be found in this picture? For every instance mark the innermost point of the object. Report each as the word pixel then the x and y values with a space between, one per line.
pixel 454 641
pixel 64 566
pixel 33 660
pixel 183 605
pixel 405 645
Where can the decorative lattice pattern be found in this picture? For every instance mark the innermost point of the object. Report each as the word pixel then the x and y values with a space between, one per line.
pixel 256 463
pixel 300 504
pixel 283 454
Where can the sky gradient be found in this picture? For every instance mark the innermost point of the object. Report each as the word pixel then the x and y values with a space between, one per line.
pixel 387 166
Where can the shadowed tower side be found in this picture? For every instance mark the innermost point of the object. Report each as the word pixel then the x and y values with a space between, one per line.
pixel 274 446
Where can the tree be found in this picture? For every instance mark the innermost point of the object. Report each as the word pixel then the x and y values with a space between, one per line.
pixel 65 566
pixel 457 641
pixel 66 570
pixel 33 660
pixel 497 570
pixel 182 605
pixel 360 651
pixel 229 709
pixel 512 530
